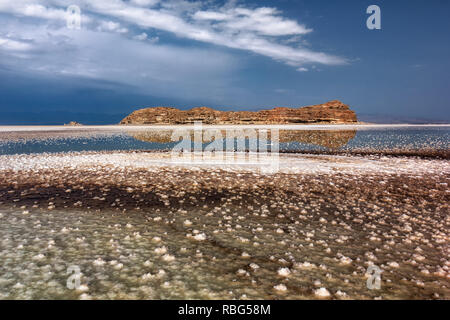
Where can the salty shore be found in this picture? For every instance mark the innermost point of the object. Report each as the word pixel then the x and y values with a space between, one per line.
pixel 139 227
pixel 358 126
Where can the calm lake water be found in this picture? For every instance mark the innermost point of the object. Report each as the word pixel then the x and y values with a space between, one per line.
pixel 380 138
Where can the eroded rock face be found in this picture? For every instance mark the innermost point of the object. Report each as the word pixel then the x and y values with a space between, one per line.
pixel 330 112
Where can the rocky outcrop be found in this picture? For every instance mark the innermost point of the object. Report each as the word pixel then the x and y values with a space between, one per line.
pixel 73 124
pixel 330 112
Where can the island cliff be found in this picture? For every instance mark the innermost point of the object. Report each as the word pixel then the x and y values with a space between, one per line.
pixel 330 112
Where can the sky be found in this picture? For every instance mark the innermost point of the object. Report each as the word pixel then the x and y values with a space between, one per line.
pixel 229 55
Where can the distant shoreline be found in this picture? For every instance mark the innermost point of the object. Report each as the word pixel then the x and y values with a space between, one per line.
pixel 12 128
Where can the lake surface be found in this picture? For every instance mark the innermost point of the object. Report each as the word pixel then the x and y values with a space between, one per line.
pixel 292 139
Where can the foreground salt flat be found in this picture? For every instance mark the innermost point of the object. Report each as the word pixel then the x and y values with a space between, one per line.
pixel 294 164
pixel 141 227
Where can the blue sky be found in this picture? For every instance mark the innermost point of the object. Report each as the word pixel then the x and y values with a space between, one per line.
pixel 229 55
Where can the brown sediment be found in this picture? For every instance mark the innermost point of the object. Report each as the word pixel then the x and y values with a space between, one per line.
pixel 398 153
pixel 137 187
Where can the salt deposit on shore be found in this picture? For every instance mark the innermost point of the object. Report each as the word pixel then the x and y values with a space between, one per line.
pixel 139 227
pixel 288 164
pixel 261 126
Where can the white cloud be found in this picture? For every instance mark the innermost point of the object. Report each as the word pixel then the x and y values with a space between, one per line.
pixel 153 39
pixel 31 9
pixel 142 66
pixel 14 45
pixel 118 43
pixel 210 15
pixel 302 69
pixel 112 26
pixel 256 30
pixel 141 37
pixel 238 28
pixel 145 3
pixel 264 21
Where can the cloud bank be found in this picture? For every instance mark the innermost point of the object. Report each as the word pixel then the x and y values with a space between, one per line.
pixel 124 41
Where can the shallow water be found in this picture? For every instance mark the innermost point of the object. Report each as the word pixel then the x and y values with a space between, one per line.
pixel 349 139
pixel 137 228
pixel 155 254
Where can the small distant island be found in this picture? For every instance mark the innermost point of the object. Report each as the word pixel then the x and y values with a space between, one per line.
pixel 73 124
pixel 334 112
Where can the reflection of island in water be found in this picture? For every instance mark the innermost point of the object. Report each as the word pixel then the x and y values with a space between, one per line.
pixel 332 139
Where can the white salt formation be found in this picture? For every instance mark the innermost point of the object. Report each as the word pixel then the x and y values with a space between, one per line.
pixel 139 228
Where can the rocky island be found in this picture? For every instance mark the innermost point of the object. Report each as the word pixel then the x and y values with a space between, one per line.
pixel 331 112
pixel 73 124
